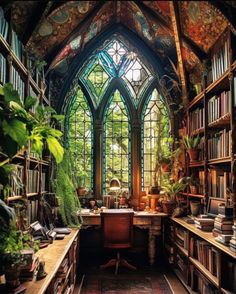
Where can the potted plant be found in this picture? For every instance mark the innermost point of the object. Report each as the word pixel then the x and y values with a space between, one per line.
pixel 170 195
pixel 191 144
pixel 12 246
pixel 194 184
pixel 165 160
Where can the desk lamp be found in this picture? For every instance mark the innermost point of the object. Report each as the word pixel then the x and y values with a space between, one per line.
pixel 115 187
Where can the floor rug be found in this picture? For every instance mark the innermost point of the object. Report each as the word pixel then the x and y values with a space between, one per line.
pixel 132 284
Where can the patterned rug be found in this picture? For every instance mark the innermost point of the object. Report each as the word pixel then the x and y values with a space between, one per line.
pixel 134 284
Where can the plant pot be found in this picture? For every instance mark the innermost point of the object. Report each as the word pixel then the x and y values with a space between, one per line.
pixel 154 190
pixel 195 207
pixel 168 206
pixel 193 189
pixel 193 154
pixel 80 191
pixel 12 277
pixel 165 167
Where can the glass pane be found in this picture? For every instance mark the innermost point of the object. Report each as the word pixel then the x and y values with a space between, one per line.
pixel 116 142
pixel 80 140
pixel 155 131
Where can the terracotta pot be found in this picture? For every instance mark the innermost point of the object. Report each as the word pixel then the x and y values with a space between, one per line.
pixel 193 154
pixel 168 206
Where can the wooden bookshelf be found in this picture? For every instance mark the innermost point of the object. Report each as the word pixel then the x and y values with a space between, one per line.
pixel 54 254
pixel 16 71
pixel 222 255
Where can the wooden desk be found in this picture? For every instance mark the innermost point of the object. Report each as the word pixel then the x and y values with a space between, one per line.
pixel 142 220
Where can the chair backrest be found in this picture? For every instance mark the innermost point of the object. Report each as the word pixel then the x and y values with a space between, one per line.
pixel 117 229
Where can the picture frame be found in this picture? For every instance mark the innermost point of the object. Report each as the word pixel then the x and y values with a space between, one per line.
pixel 213 204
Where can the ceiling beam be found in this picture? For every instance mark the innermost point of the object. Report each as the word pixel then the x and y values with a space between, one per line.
pixel 36 18
pixel 178 42
pixel 55 51
pixel 194 47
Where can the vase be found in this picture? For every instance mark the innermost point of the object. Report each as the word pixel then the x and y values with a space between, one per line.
pixel 195 207
pixel 193 154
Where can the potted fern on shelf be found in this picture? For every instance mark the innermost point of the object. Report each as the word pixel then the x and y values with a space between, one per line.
pixel 191 145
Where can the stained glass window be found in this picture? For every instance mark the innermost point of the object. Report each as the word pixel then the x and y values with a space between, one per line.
pixel 155 130
pixel 136 77
pixel 116 151
pixel 96 80
pixel 116 50
pixel 80 139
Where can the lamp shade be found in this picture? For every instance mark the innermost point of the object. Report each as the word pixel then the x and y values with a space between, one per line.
pixel 114 184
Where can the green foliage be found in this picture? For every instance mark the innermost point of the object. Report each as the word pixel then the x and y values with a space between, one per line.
pixel 172 188
pixel 66 192
pixel 12 242
pixel 17 125
pixel 191 142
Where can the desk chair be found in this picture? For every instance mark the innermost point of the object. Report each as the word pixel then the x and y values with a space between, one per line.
pixel 117 228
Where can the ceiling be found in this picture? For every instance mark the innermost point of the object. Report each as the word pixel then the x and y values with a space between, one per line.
pixel 59 31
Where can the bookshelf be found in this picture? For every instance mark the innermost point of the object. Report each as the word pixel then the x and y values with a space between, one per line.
pixel 211 115
pixel 16 68
pixel 198 259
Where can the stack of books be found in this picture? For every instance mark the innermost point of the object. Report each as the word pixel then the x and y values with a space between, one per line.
pixel 204 224
pixel 223 228
pixel 232 242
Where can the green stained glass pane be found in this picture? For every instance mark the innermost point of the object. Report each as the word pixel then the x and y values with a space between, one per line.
pixel 96 79
pixel 117 143
pixel 155 131
pixel 80 136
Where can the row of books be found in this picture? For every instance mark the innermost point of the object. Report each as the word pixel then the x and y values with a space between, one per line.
pixel 4 26
pixel 181 264
pixel 201 148
pixel 182 237
pixel 32 207
pixel 200 284
pixel 32 181
pixel 220 60
pixel 219 144
pixel 3 66
pixel 231 274
pixel 219 106
pixel 16 45
pixel 206 254
pixel 196 119
pixel 218 182
pixel 17 82
pixel 201 176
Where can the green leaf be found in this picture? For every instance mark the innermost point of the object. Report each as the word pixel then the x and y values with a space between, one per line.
pixel 54 132
pixel 16 130
pixel 10 94
pixel 58 117
pixel 37 144
pixel 30 102
pixel 1 91
pixel 55 148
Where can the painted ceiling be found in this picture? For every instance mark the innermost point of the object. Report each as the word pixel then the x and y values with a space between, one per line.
pixel 64 28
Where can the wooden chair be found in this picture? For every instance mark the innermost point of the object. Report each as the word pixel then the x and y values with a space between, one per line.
pixel 117 228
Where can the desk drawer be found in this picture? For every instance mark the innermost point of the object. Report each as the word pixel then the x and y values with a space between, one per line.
pixel 91 221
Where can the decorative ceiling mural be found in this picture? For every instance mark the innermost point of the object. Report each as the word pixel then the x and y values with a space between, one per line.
pixel 57 25
pixel 201 22
pixel 63 29
pixel 162 8
pixel 84 35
